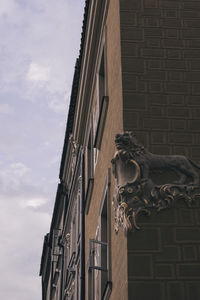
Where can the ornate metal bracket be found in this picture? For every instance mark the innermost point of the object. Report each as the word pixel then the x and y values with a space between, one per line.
pixel 136 193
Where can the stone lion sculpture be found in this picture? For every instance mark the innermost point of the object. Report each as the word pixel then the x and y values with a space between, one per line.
pixel 136 193
pixel 129 149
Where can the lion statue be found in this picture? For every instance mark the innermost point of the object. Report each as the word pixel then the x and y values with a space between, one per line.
pixel 129 149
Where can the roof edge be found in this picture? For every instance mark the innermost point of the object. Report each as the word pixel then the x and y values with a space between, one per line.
pixel 74 91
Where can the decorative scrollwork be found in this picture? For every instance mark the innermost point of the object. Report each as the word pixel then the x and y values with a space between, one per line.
pixel 74 147
pixel 136 193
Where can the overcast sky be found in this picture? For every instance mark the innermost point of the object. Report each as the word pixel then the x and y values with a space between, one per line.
pixel 38 47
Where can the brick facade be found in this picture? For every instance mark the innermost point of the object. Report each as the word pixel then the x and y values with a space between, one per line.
pixel 164 256
pixel 160 42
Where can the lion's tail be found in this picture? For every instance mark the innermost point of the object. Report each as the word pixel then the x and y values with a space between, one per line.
pixel 194 164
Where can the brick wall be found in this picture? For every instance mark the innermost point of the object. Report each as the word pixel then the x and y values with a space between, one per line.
pixel 113 124
pixel 160 45
pixel 164 257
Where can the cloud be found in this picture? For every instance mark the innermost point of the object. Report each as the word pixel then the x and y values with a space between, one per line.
pixel 38 73
pixel 7 7
pixel 11 177
pixel 33 202
pixel 57 105
pixel 54 160
pixel 22 236
pixel 17 169
pixel 6 108
pixel 23 223
pixel 40 36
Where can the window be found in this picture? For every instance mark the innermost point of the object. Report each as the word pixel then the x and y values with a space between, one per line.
pixel 70 278
pixel 99 279
pixel 104 248
pixel 89 171
pixel 74 229
pixel 98 119
pixel 101 90
pixel 71 273
pixel 56 262
pixel 89 163
pixel 101 79
pixel 101 105
pixel 97 268
pixel 101 122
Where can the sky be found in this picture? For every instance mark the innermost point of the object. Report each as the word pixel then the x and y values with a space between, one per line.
pixel 39 44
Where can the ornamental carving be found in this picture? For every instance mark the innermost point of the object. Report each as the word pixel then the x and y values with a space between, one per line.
pixel 68 239
pixel 137 193
pixel 74 147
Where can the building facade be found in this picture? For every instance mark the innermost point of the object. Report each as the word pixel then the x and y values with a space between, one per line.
pixel 130 228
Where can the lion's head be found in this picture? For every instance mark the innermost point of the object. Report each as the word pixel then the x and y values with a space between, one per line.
pixel 127 142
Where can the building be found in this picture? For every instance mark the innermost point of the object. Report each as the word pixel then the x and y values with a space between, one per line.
pixel 138 70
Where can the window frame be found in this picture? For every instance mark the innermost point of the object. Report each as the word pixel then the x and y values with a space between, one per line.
pixel 102 98
pixel 89 175
pixel 101 122
pixel 92 268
